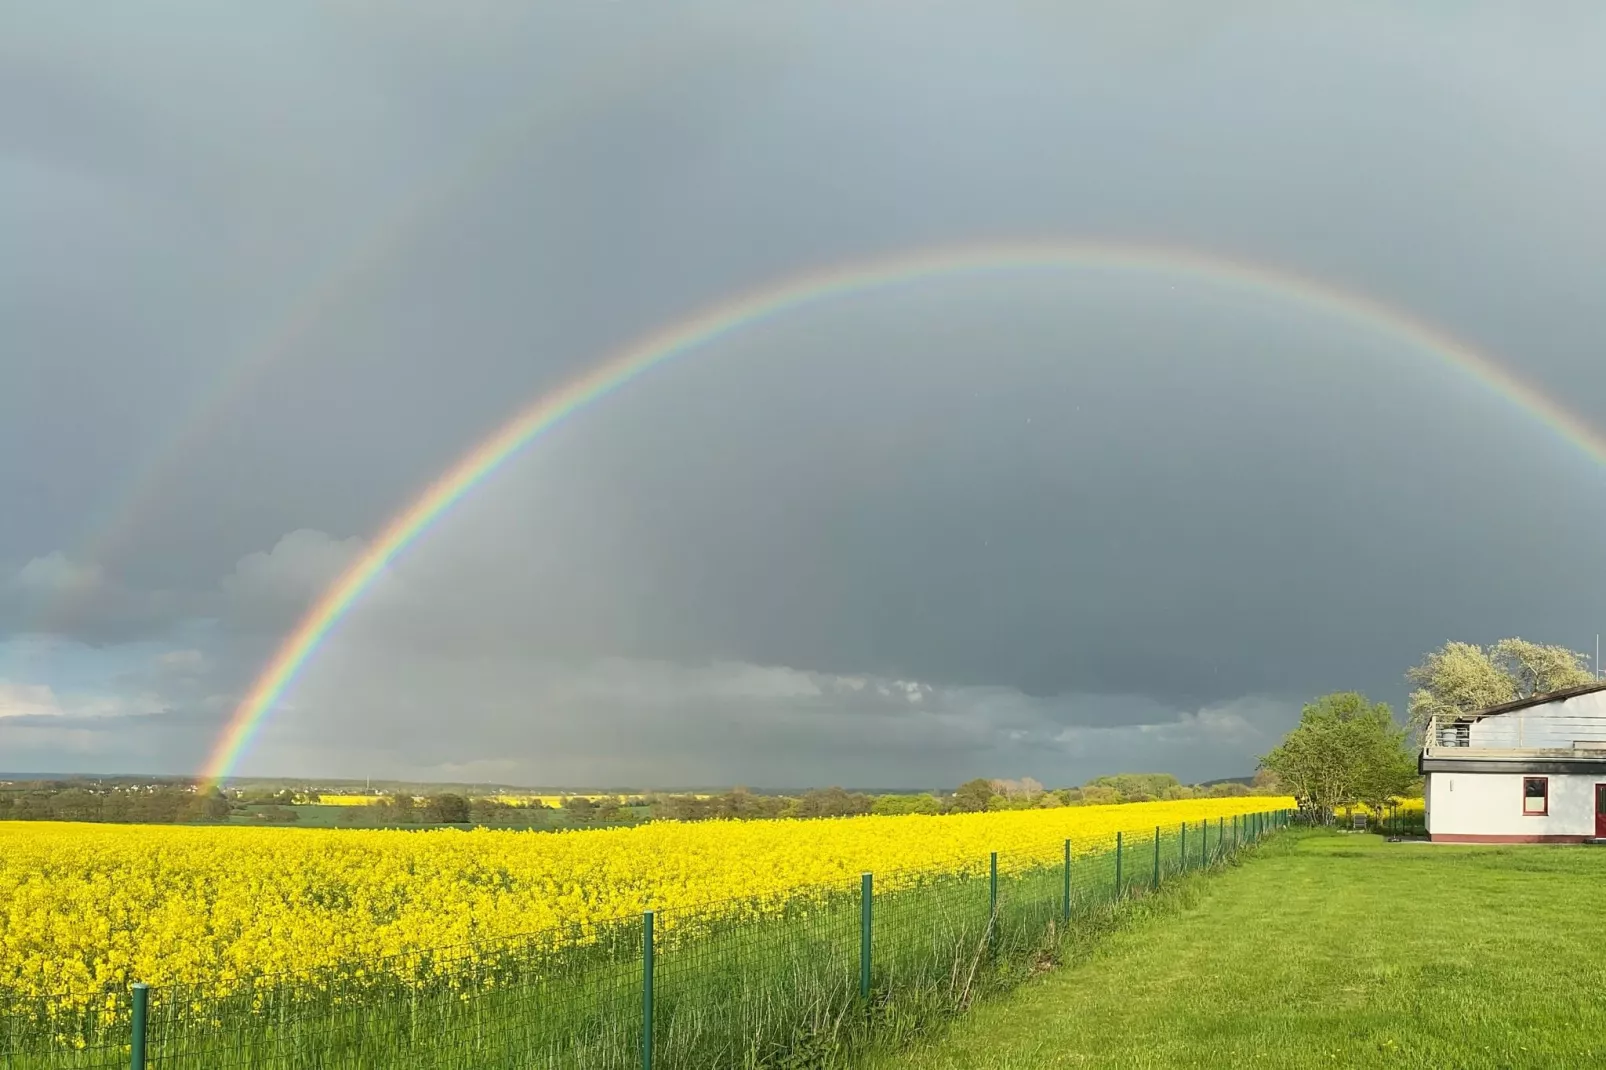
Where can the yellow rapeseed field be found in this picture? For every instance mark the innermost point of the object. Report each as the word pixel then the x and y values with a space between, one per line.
pixel 511 800
pixel 85 908
pixel 1404 806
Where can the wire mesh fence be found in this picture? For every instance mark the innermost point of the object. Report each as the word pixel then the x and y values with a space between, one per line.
pixel 724 983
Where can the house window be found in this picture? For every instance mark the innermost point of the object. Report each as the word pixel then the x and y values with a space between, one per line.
pixel 1536 795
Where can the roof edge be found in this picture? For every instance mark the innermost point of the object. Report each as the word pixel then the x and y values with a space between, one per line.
pixel 1535 700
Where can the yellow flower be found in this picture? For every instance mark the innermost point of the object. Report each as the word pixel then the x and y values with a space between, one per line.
pixel 86 908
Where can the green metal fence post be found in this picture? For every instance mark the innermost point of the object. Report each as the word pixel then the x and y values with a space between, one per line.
pixel 1204 842
pixel 1221 836
pixel 1156 886
pixel 1182 848
pixel 1066 913
pixel 136 1040
pixel 866 897
pixel 992 899
pixel 992 884
pixel 646 991
pixel 1117 865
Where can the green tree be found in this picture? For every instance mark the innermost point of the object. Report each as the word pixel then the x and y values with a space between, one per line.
pixel 1137 787
pixel 1097 794
pixel 398 809
pixel 907 804
pixel 833 802
pixel 1345 749
pixel 447 808
pixel 581 810
pixel 973 796
pixel 1384 764
pixel 1462 678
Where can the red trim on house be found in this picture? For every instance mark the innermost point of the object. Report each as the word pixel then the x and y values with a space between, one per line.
pixel 1474 837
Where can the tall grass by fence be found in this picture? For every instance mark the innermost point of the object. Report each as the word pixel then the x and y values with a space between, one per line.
pixel 718 985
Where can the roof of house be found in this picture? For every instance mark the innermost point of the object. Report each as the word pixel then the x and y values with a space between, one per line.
pixel 1536 700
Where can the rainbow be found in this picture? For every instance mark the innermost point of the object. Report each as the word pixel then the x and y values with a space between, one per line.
pixel 813 288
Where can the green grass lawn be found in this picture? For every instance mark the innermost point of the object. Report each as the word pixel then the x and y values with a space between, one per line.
pixel 1324 949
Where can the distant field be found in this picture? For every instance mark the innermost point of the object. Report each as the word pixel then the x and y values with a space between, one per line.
pixel 510 800
pixel 1327 949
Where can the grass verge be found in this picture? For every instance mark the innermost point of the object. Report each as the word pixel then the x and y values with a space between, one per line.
pixel 1322 949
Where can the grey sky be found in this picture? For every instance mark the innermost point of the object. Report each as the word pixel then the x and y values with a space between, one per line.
pixel 267 272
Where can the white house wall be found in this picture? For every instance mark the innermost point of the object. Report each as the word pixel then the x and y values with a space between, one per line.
pixel 1559 724
pixel 1488 807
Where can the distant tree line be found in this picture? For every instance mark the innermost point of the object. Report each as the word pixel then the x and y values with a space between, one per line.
pixel 453 808
pixel 170 803
pixel 973 796
pixel 152 804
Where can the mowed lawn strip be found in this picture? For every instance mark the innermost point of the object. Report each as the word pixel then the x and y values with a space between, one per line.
pixel 1326 949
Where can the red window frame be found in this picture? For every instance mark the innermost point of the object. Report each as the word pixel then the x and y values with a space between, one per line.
pixel 1535 813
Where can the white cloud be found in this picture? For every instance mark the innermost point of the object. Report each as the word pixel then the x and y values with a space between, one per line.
pixel 269 589
pixel 300 565
pixel 620 721
pixel 56 574
pixel 28 700
pixel 184 662
pixel 36 701
pixel 60 596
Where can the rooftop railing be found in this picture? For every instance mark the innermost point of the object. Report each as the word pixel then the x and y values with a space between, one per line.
pixel 1520 733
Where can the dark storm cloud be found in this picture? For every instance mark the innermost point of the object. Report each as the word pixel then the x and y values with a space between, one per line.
pixel 1085 514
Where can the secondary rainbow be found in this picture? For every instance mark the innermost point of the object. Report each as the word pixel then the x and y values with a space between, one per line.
pixel 378 248
pixel 812 288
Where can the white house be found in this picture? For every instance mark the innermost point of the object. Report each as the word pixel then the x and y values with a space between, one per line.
pixel 1532 771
